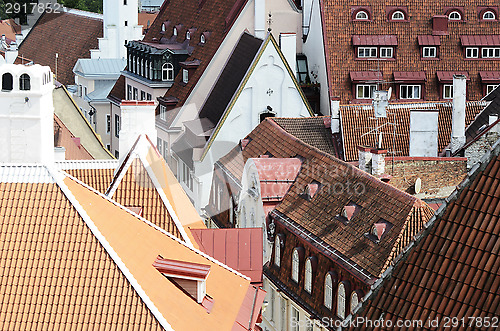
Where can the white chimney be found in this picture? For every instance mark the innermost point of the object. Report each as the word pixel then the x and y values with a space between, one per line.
pixel 137 117
pixel 458 115
pixel 19 39
pixel 288 45
pixel 424 133
pixel 365 158
pixel 27 114
pixel 335 114
pixel 260 19
pixel 11 53
pixel 59 153
pixel 378 161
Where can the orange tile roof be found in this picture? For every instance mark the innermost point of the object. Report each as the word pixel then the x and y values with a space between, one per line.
pixel 452 270
pixel 9 28
pixel 359 119
pixel 62 233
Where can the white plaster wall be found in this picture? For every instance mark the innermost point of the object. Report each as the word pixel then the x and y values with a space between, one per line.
pixel 314 49
pixel 115 110
pixel 155 92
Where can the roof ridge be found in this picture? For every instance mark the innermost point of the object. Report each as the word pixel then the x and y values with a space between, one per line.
pixel 83 13
pixel 468 180
pixel 59 180
pixel 171 236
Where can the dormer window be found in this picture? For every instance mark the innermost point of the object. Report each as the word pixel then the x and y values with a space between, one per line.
pixel 378 230
pixel 362 15
pixel 175 32
pixel 163 28
pixel 309 269
pixel 455 16
pixel 185 76
pixel 398 15
pixel 188 35
pixel 295 265
pixel 167 71
pixel 202 39
pixel 348 212
pixel 489 15
pixel 278 243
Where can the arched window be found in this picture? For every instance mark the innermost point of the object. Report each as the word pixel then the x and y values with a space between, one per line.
pixel 7 82
pixel 175 32
pixel 328 291
pixel 362 15
pixel 341 301
pixel 277 251
pixel 308 276
pixel 398 15
pixel 202 39
pixel 455 16
pixel 138 68
pixel 188 35
pixel 24 82
pixel 142 68
pixel 163 28
pixel 167 71
pixel 489 15
pixel 354 300
pixel 295 265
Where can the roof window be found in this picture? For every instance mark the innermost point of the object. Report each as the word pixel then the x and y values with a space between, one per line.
pixel 362 15
pixel 348 212
pixel 378 230
pixel 398 15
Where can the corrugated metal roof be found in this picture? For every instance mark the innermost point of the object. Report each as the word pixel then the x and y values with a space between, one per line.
pixel 89 67
pixel 480 40
pixel 429 40
pixel 374 40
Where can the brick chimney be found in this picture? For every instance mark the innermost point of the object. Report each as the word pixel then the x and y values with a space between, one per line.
pixel 458 113
pixel 26 114
pixel 378 161
pixel 137 117
pixel 440 25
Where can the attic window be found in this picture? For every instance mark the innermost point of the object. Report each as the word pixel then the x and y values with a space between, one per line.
pixel 378 230
pixel 175 32
pixel 189 277
pixel 348 212
pixel 188 35
pixel 311 189
pixel 202 39
pixel 455 16
pixel 362 15
pixel 398 15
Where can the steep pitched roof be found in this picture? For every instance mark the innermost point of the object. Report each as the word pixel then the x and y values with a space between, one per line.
pixel 95 173
pixel 70 34
pixel 214 17
pixel 144 180
pixel 357 120
pixel 452 269
pixel 117 93
pixel 81 238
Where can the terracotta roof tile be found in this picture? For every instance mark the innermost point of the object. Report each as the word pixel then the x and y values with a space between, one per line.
pixel 458 281
pixel 62 33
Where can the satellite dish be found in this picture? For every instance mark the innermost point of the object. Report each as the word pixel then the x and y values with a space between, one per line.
pixel 389 93
pixel 418 185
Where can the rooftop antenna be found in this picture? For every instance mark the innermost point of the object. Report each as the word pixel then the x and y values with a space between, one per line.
pixel 269 21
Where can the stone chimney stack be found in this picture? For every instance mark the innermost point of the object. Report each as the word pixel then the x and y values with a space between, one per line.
pixel 365 158
pixel 260 19
pixel 137 117
pixel 26 114
pixel 335 114
pixel 378 161
pixel 458 115
pixel 288 45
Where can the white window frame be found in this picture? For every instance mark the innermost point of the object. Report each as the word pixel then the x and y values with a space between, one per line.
pixel 167 71
pixel 354 300
pixel 185 76
pixel 295 265
pixel 490 88
pixel 174 33
pixel 447 91
pixel 457 16
pixel 294 318
pixel 277 251
pixel 373 51
pixel 395 16
pixel 491 13
pixel 117 125
pixel 283 324
pixel 429 51
pixel 159 144
pixel 202 39
pixel 188 35
pixel 308 276
pixel 362 15
pixel 389 52
pixel 136 93
pixel 163 112
pixel 341 309
pixel 108 123
pixel 471 52
pixel 490 52
pixel 328 297
pixel 370 87
pixel 410 88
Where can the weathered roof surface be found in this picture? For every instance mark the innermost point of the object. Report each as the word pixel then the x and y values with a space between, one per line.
pixel 314 131
pixel 100 67
pixel 70 34
pixel 117 93
pixel 359 119
pixel 75 125
pixel 146 19
pixel 64 138
pixel 230 78
pixel 276 175
pixel 215 17
pixel 90 262
pixel 453 270
pixel 316 217
pixel 9 28
pixel 240 249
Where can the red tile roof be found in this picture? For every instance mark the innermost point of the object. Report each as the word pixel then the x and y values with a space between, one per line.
pixel 453 269
pixel 276 175
pixel 408 76
pixel 480 40
pixel 374 40
pixel 181 268
pixel 70 35
pixel 428 40
pixel 358 120
pixel 240 249
pixel 490 76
